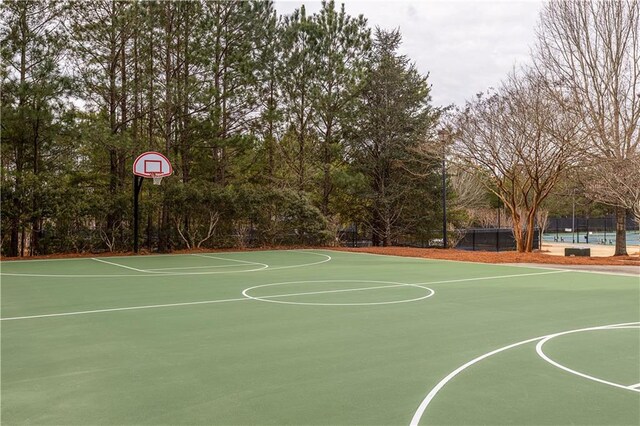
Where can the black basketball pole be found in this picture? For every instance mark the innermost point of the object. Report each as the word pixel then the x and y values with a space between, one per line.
pixel 137 186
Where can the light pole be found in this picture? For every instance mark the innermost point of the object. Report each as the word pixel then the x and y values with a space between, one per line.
pixel 444 138
pixel 573 218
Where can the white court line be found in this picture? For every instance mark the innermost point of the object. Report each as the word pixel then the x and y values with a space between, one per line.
pixel 129 308
pixel 193 267
pixel 327 259
pixel 121 266
pixel 245 292
pixel 152 271
pixel 321 291
pixel 492 278
pixel 142 256
pixel 225 258
pixel 636 386
pixel 228 300
pixel 264 267
pixel 415 420
pixel 577 373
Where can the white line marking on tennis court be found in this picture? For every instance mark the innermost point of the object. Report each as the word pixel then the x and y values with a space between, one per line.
pixel 121 266
pixel 415 420
pixel 636 386
pixel 577 373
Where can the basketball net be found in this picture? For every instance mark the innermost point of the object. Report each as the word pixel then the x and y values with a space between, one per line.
pixel 156 179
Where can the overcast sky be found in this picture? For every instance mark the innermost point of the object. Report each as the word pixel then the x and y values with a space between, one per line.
pixel 466 46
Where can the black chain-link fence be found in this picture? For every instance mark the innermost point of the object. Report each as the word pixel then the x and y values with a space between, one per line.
pixel 482 239
pixel 488 239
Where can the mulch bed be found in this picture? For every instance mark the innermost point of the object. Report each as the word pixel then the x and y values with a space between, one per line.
pixel 493 257
pixel 449 254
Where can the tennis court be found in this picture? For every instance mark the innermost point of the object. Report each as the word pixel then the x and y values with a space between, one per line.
pixel 315 337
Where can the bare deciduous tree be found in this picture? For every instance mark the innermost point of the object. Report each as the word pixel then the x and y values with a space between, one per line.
pixel 520 144
pixel 590 51
pixel 469 194
pixel 201 229
pixel 616 182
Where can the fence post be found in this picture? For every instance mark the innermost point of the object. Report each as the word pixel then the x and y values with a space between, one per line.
pixel 355 235
pixel 498 234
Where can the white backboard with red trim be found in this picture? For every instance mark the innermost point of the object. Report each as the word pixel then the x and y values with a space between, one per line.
pixel 152 164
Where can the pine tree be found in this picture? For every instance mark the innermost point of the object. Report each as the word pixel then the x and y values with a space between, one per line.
pixel 297 75
pixel 340 48
pixel 33 94
pixel 395 117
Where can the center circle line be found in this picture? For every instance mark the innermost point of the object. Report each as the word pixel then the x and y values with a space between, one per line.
pixel 392 284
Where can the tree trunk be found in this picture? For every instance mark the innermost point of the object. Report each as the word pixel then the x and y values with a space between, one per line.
pixel 518 235
pixel 113 126
pixel 15 237
pixel 375 230
pixel 326 183
pixel 270 136
pixel 621 232
pixel 530 234
pixel 164 240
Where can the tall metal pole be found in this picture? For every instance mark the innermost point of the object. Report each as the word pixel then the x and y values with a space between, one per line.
pixel 573 219
pixel 498 232
pixel 444 197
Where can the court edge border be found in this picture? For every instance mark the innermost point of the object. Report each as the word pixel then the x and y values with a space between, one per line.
pixel 511 265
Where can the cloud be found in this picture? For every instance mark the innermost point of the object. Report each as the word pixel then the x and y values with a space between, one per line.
pixel 465 46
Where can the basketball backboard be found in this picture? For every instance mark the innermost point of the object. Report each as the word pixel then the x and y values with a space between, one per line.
pixel 152 164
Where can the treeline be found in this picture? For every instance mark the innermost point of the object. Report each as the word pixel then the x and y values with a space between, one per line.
pixel 281 130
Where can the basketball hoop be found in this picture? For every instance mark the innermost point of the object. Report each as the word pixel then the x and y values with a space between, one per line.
pixel 152 165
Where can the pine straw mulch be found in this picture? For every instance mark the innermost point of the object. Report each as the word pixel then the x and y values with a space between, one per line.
pixel 449 254
pixel 493 257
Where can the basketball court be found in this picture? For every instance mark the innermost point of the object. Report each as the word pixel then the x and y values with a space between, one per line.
pixel 315 337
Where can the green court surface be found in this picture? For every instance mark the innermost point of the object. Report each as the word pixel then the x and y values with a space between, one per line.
pixel 315 337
